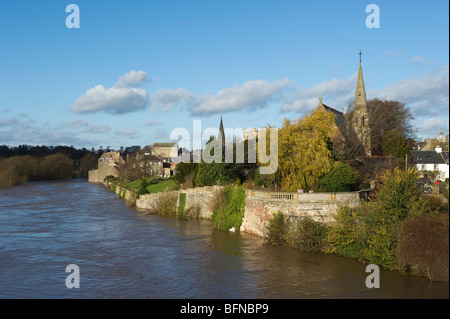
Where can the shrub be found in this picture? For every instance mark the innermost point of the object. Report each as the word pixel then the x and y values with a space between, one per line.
pixel 228 209
pixel 398 196
pixel 143 187
pixel 423 247
pixel 340 179
pixel 182 213
pixel 435 204
pixel 188 213
pixel 306 235
pixel 217 204
pixel 110 178
pixel 165 204
pixel 345 237
pixel 277 229
pixel 185 171
pixel 380 246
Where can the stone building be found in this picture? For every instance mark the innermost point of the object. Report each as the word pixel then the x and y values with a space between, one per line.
pixel 147 163
pixel 167 151
pixel 358 127
pixel 107 165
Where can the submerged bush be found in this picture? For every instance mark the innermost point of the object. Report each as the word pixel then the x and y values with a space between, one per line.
pixel 423 247
pixel 306 235
pixel 165 204
pixel 303 234
pixel 183 213
pixel 277 229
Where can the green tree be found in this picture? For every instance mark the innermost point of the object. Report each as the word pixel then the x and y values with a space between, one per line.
pixel 56 167
pixel 88 162
pixel 395 145
pixel 340 179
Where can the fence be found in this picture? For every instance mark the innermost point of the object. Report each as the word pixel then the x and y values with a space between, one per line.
pixel 308 197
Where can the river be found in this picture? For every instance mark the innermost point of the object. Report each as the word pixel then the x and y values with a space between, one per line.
pixel 124 253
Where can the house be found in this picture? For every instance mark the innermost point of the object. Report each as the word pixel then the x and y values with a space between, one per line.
pixel 166 151
pixel 108 164
pixel 153 165
pixel 433 164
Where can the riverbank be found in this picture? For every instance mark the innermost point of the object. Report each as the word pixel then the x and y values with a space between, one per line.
pixel 260 206
pixel 381 232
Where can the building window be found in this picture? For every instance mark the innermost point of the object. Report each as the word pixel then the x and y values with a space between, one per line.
pixel 436 167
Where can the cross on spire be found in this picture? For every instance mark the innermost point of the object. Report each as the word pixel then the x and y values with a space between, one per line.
pixel 360 53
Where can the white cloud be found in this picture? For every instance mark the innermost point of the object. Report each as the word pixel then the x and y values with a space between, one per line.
pixel 85 127
pixel 166 99
pixel 28 132
pixel 131 79
pixel 9 121
pixel 433 125
pixel 152 123
pixel 128 133
pixel 252 94
pixel 425 96
pixel 125 96
pixel 420 60
pixel 335 93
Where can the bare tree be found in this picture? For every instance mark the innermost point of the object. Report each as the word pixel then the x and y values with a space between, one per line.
pixel 384 116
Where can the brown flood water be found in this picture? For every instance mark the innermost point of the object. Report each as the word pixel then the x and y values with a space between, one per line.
pixel 124 253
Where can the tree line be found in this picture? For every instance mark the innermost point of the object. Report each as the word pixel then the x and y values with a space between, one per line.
pixel 24 163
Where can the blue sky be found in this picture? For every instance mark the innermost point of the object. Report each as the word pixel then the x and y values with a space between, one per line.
pixel 135 70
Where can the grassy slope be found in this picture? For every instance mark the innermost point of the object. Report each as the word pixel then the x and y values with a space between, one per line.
pixel 158 185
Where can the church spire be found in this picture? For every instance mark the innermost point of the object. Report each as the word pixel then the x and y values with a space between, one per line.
pixel 221 133
pixel 360 94
pixel 360 113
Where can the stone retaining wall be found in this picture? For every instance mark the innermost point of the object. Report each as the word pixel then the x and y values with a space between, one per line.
pixel 259 205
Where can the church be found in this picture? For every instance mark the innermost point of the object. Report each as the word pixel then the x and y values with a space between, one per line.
pixel 357 128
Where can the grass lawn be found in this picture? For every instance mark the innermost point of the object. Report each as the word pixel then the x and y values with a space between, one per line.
pixel 156 184
pixel 137 183
pixel 164 185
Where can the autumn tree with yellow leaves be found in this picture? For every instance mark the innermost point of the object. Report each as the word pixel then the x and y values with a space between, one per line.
pixel 304 151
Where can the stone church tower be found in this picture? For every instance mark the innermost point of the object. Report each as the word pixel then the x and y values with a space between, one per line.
pixel 360 120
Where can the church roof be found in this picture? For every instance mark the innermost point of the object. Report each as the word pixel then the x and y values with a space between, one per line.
pixel 339 120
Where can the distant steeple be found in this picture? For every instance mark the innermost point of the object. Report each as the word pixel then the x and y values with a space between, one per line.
pixel 221 133
pixel 360 113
